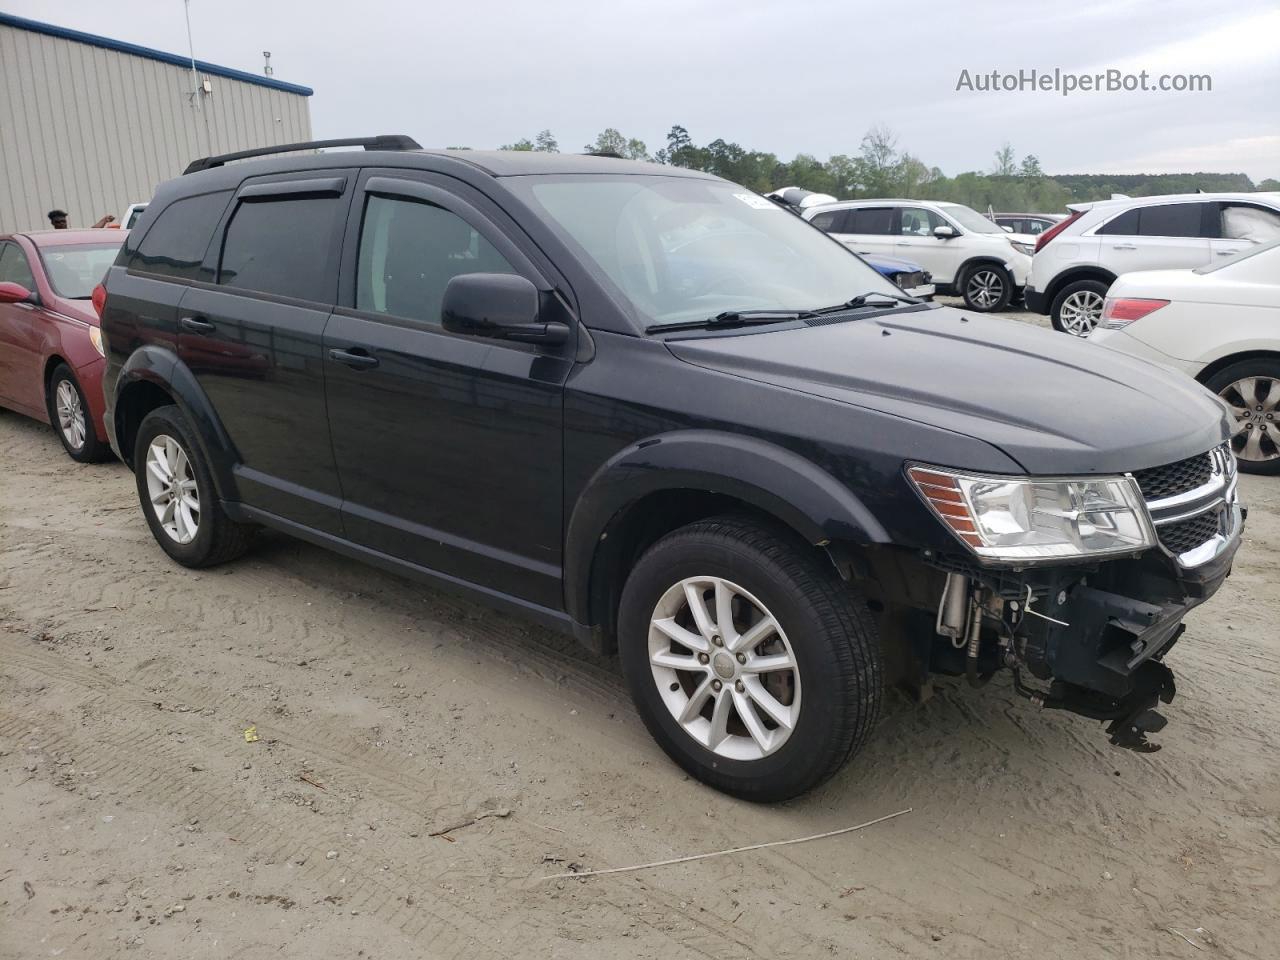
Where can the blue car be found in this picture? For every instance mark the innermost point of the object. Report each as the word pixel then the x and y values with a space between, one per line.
pixel 914 279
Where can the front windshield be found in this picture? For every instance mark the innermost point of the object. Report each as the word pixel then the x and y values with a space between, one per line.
pixel 75 269
pixel 971 220
pixel 682 249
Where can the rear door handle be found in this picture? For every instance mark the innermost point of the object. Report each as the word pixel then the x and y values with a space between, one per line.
pixel 355 358
pixel 196 324
pixel 1227 253
pixel 1124 246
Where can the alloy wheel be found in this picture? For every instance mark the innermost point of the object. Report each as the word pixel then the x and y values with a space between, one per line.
pixel 985 288
pixel 1081 312
pixel 1255 402
pixel 724 668
pixel 172 489
pixel 70 411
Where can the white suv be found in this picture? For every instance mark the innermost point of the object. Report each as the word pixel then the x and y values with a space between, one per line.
pixel 1076 261
pixel 966 253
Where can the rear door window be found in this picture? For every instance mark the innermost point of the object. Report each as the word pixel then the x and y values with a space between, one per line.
pixel 176 243
pixel 1171 220
pixel 286 246
pixel 871 221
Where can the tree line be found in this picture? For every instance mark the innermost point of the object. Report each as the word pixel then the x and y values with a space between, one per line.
pixel 881 168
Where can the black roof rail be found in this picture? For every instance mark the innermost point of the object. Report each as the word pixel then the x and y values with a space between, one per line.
pixel 387 141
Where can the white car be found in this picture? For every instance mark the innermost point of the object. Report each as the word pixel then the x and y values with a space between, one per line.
pixel 1219 323
pixel 965 252
pixel 1078 260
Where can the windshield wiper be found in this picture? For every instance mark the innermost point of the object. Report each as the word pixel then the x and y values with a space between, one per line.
pixel 732 318
pixel 865 300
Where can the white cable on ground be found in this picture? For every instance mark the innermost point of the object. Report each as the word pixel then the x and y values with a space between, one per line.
pixel 725 853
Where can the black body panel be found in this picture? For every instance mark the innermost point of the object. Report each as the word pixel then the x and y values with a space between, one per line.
pixel 513 468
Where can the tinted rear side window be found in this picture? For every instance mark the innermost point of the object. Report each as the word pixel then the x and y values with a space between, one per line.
pixel 826 221
pixel 879 221
pixel 285 247
pixel 177 241
pixel 1125 225
pixel 1171 220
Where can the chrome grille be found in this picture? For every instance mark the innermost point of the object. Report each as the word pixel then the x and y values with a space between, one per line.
pixel 1175 478
pixel 1184 535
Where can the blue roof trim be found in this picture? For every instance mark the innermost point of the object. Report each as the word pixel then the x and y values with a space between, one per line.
pixel 22 23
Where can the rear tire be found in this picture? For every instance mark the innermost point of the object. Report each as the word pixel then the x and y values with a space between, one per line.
pixel 69 416
pixel 177 493
pixel 1252 389
pixel 1078 307
pixel 798 698
pixel 986 288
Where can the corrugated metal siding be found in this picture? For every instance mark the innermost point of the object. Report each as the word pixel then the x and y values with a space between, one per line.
pixel 92 130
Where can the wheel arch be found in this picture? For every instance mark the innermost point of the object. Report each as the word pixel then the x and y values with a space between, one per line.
pixel 979 260
pixel 1100 274
pixel 662 483
pixel 153 377
pixel 1217 366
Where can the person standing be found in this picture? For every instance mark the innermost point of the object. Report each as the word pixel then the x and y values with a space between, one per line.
pixel 59 220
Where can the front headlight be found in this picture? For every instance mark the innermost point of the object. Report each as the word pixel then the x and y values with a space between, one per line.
pixel 1024 248
pixel 1032 520
pixel 95 337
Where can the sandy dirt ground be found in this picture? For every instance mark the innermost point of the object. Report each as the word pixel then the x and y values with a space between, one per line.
pixel 136 821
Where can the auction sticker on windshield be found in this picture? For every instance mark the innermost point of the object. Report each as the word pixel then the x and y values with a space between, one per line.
pixel 759 203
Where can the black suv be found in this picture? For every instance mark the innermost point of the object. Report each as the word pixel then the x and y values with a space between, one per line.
pixel 646 406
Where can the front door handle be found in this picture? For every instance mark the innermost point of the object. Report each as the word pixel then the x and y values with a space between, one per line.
pixel 1227 253
pixel 355 358
pixel 196 325
pixel 1124 246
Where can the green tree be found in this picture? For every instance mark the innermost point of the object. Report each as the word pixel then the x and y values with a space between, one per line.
pixel 610 140
pixel 1270 185
pixel 1006 165
pixel 524 145
pixel 1031 167
pixel 545 142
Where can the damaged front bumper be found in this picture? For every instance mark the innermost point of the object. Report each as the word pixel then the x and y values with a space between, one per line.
pixel 1090 640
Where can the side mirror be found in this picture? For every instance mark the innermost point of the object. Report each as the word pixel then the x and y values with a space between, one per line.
pixel 498 305
pixel 1006 229
pixel 944 232
pixel 15 293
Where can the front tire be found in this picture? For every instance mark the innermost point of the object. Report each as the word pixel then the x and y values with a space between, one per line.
pixel 987 288
pixel 751 663
pixel 69 415
pixel 1078 307
pixel 1252 389
pixel 177 493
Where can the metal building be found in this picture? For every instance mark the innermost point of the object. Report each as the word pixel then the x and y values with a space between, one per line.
pixel 90 125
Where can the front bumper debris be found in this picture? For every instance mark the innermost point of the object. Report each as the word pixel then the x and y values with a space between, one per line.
pixel 1090 640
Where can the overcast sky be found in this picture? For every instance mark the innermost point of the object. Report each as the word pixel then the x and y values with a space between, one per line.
pixel 805 76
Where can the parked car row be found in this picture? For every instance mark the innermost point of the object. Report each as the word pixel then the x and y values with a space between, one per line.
pixel 652 409
pixel 1077 261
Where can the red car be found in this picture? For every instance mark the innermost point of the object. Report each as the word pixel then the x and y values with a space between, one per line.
pixel 51 355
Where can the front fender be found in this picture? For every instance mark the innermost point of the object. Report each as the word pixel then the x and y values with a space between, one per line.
pixel 161 367
pixel 769 477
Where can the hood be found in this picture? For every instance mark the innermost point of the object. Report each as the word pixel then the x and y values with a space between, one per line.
pixel 1055 404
